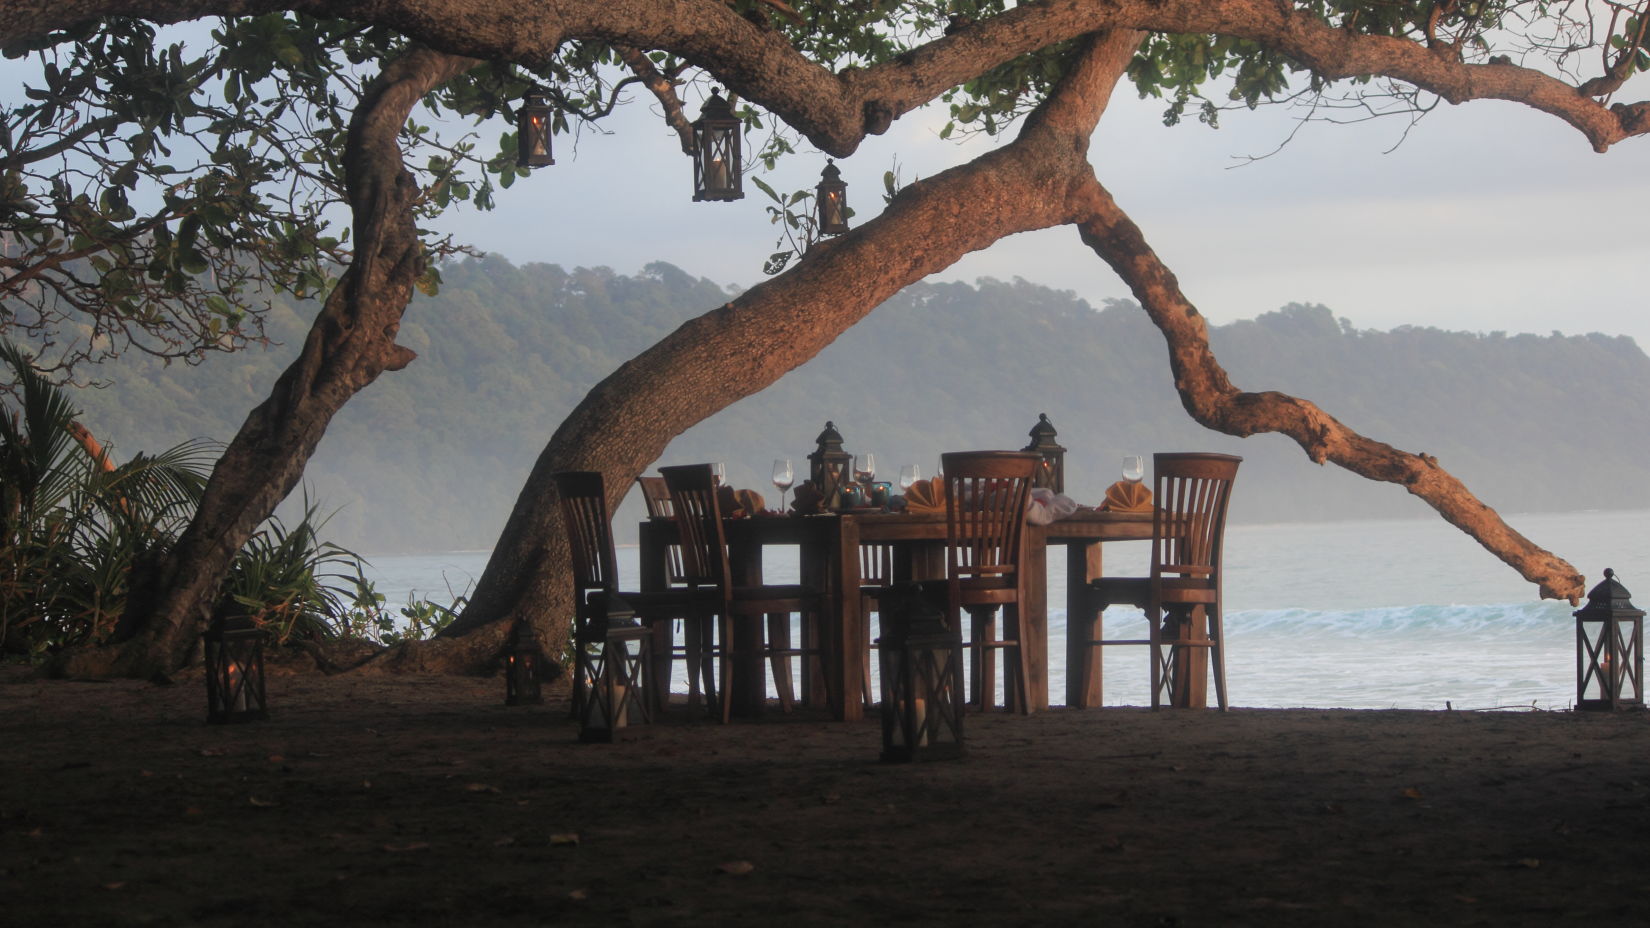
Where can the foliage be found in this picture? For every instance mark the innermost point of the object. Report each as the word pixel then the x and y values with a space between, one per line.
pixel 74 525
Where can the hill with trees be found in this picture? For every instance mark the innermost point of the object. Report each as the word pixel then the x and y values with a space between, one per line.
pixel 432 457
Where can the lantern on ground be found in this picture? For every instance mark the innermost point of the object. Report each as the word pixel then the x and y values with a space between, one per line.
pixel 1052 474
pixel 533 130
pixel 235 671
pixel 522 666
pixel 921 662
pixel 610 659
pixel 831 201
pixel 830 469
pixel 1609 648
pixel 716 165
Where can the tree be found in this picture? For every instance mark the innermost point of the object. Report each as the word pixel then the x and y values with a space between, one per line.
pixel 832 73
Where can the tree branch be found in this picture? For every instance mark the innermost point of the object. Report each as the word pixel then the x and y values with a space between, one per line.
pixel 1209 396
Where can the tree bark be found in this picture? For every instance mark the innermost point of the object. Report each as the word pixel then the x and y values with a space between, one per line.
pixel 351 342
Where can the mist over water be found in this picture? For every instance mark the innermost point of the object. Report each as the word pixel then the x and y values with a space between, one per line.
pixel 1367 614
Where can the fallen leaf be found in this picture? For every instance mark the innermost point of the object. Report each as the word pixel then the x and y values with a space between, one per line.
pixel 275 759
pixel 736 867
pixel 113 885
pixel 481 788
pixel 403 848
pixel 578 895
pixel 1529 863
pixel 263 803
pixel 1412 793
pixel 564 837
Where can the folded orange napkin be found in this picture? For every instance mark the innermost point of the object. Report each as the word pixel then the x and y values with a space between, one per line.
pixel 1128 496
pixel 736 504
pixel 926 496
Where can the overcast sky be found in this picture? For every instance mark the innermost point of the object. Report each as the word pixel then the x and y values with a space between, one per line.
pixel 1489 216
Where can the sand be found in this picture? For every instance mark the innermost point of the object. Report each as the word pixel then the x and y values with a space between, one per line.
pixel 425 801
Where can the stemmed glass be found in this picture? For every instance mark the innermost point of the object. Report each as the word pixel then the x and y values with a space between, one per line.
pixel 908 475
pixel 1134 468
pixel 719 471
pixel 865 470
pixel 783 477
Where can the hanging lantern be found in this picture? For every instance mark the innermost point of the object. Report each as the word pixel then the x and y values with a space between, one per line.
pixel 830 469
pixel 522 664
pixel 611 658
pixel 921 663
pixel 533 130
pixel 1052 474
pixel 716 165
pixel 831 201
pixel 235 671
pixel 1609 648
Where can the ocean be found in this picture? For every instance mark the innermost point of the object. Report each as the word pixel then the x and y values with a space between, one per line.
pixel 1408 614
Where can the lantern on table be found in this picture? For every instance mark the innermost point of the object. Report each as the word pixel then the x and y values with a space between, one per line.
pixel 921 662
pixel 1052 474
pixel 1609 648
pixel 611 656
pixel 235 671
pixel 533 130
pixel 522 665
pixel 831 201
pixel 716 165
pixel 830 469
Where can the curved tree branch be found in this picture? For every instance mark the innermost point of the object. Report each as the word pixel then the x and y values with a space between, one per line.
pixel 1211 399
pixel 835 111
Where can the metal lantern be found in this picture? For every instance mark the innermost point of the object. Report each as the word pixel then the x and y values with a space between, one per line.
pixel 533 130
pixel 1609 648
pixel 830 469
pixel 1052 474
pixel 922 688
pixel 831 202
pixel 235 671
pixel 716 164
pixel 610 660
pixel 522 664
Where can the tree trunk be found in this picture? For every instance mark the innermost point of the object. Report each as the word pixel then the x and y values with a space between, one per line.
pixel 350 344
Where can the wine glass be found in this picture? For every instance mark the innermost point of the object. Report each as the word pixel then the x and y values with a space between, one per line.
pixel 719 471
pixel 908 475
pixel 1134 468
pixel 865 469
pixel 783 476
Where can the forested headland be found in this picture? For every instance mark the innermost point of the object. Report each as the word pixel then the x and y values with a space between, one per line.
pixel 432 457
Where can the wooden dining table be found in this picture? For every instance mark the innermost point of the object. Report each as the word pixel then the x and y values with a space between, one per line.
pixel 829 558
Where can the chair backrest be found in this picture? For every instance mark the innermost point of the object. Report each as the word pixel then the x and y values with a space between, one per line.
pixel 699 524
pixel 584 509
pixel 986 494
pixel 1189 515
pixel 656 495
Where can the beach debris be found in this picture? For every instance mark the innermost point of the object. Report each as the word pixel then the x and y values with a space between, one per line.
pixel 481 788
pixel 736 867
pixel 579 895
pixel 564 838
pixel 262 803
pixel 1413 793
pixel 410 846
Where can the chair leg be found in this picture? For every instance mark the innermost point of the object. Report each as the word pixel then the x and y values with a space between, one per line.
pixel 865 656
pixel 693 651
pixel 1217 653
pixel 1154 619
pixel 982 638
pixel 779 657
pixel 728 658
pixel 1016 664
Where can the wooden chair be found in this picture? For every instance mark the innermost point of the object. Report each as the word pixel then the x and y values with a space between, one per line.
pixel 1191 492
pixel 986 494
pixel 656 496
pixel 606 633
pixel 737 607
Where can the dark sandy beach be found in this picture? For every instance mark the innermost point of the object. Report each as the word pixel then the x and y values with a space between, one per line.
pixel 425 801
